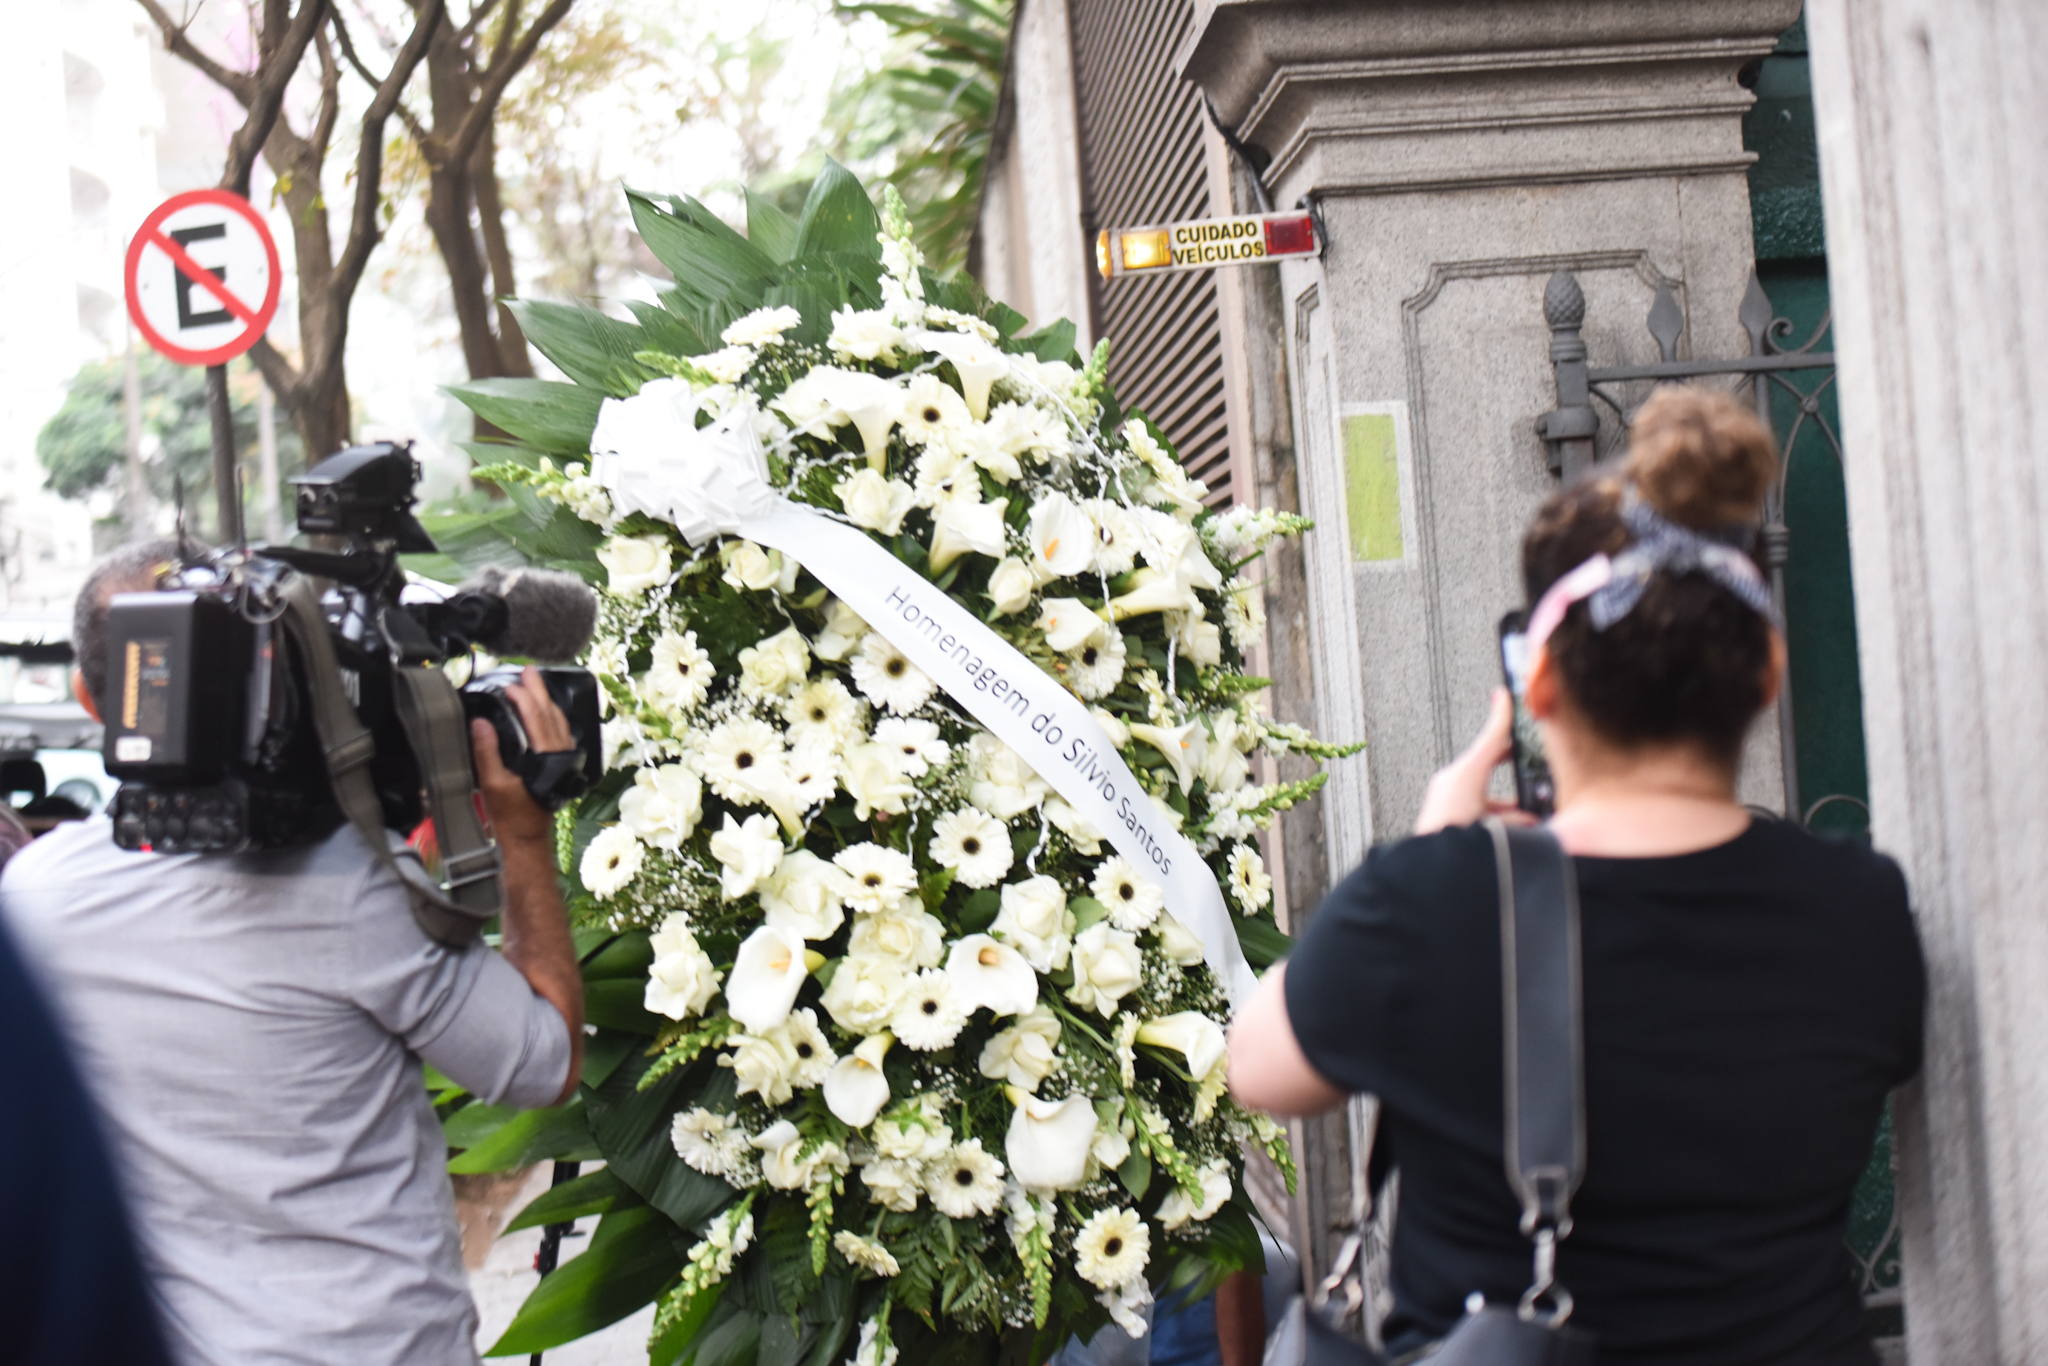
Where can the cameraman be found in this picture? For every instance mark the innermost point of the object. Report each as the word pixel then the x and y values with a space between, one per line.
pixel 253 1027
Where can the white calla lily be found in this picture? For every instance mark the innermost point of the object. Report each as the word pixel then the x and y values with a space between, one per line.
pixel 991 975
pixel 959 526
pixel 830 396
pixel 1062 538
pixel 979 364
pixel 855 1088
pixel 1070 623
pixel 1183 746
pixel 1190 1033
pixel 1048 1142
pixel 767 973
pixel 1177 941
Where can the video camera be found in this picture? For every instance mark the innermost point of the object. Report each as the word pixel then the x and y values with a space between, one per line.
pixel 221 711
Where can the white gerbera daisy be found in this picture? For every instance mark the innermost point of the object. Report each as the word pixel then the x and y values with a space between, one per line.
pixel 974 844
pixel 1248 880
pixel 1112 1247
pixel 878 877
pixel 889 678
pixel 1116 537
pixel 680 676
pixel 1134 900
pixel 916 740
pixel 806 1043
pixel 930 1017
pixel 944 475
pixel 736 757
pixel 813 773
pixel 933 412
pixel 966 1182
pixel 864 1253
pixel 1098 666
pixel 823 713
pixel 611 861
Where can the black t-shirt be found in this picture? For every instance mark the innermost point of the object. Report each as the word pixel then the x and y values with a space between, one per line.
pixel 1747 1007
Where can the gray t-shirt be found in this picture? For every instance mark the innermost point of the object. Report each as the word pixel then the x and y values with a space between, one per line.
pixel 252 1028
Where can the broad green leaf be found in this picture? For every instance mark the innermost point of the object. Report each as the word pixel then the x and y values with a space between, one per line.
pixel 628 1262
pixel 556 418
pixel 782 1343
pixel 1136 1174
pixel 1087 911
pixel 838 216
pixel 591 1193
pixel 561 1132
pixel 769 228
pixel 1055 342
pixel 605 1050
pixel 731 1342
pixel 708 259
pixel 615 1003
pixel 675 1343
pixel 590 347
pixel 671 333
pixel 472 1124
pixel 632 1128
pixel 628 955
pixel 1262 942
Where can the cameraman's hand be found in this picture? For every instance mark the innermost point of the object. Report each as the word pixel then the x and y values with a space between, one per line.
pixel 513 811
pixel 1457 794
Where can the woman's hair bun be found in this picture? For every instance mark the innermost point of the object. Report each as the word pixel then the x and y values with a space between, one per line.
pixel 1700 457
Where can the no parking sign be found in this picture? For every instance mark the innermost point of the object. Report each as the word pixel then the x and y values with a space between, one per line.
pixel 202 279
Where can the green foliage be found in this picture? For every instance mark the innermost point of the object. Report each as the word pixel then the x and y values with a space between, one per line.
pixel 84 444
pixel 592 1193
pixel 1263 943
pixel 934 105
pixel 630 1258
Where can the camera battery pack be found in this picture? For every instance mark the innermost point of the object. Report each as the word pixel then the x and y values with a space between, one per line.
pixel 177 675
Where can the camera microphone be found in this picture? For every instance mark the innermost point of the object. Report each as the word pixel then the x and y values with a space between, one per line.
pixel 547 615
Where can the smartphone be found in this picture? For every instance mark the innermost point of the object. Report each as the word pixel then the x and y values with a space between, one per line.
pixel 1534 790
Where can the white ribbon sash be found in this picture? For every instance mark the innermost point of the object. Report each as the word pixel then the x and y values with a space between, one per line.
pixel 716 483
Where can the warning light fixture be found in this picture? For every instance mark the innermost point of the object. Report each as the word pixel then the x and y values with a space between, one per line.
pixel 1251 239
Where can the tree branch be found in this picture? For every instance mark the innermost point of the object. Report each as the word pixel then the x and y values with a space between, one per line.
pixel 348 50
pixel 273 75
pixel 330 95
pixel 280 374
pixel 240 84
pixel 363 232
pixel 477 15
pixel 503 69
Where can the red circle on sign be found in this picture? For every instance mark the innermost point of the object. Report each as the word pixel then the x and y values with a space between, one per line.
pixel 254 319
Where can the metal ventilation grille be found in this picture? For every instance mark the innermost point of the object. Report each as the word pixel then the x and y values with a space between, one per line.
pixel 1142 162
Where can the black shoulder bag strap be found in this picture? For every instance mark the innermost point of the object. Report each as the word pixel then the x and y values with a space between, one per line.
pixel 431 712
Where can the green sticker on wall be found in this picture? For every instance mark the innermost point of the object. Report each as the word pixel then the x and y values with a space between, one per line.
pixel 1372 485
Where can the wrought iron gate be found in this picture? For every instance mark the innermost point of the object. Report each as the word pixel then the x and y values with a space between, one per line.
pixel 1792 388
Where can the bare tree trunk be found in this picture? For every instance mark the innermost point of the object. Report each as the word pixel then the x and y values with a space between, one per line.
pixel 483 178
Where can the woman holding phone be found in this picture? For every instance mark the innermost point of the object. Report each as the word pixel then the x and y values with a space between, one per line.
pixel 1750 992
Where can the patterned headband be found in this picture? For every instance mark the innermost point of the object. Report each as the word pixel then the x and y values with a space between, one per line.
pixel 1615 584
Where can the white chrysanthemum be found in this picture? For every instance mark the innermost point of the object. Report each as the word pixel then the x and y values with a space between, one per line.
pixel 728 365
pixel 930 1017
pixel 961 322
pixel 824 713
pixel 680 676
pixel 1244 612
pixel 933 412
pixel 1097 667
pixel 611 861
pixel 1134 900
pixel 974 844
pixel 1112 1248
pixel 916 741
pixel 737 755
pixel 864 334
pixel 747 852
pixel 663 805
pixel 966 1183
pixel 878 876
pixel 761 327
pixel 894 1183
pixel 989 446
pixel 1023 1054
pixel 888 677
pixel 904 932
pixel 682 979
pixel 710 1142
pixel 1248 880
pixel 865 992
pixel 862 1253
pixel 1107 967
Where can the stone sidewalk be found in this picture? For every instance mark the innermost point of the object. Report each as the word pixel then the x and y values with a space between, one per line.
pixel 501 1273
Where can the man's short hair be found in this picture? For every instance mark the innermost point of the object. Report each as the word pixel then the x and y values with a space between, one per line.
pixel 132 568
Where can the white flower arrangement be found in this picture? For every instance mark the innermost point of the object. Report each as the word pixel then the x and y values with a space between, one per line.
pixel 910 1001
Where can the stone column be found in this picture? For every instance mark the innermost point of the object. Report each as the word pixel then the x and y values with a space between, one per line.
pixel 1930 119
pixel 1460 152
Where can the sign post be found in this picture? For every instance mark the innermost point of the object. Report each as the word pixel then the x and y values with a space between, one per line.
pixel 1203 243
pixel 202 283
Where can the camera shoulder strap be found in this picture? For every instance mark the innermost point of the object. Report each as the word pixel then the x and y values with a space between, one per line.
pixel 431 712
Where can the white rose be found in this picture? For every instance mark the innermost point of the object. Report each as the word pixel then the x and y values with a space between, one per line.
pixel 864 334
pixel 906 933
pixel 802 896
pixel 1034 919
pixel 1023 1054
pixel 865 992
pixel 776 665
pixel 1004 785
pixel 875 502
pixel 683 978
pixel 875 780
pixel 842 634
pixel 1011 585
pixel 1177 941
pixel 762 1067
pixel 635 563
pixel 1107 968
pixel 750 567
pixel 894 1183
pixel 663 805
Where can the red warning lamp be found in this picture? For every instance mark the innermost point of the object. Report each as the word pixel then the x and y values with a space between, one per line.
pixel 1291 235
